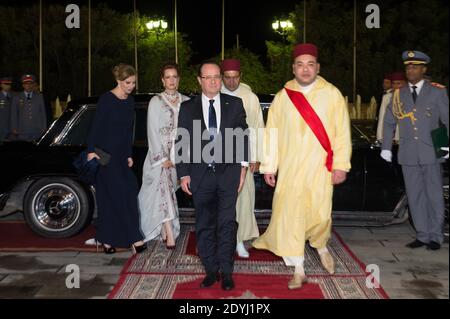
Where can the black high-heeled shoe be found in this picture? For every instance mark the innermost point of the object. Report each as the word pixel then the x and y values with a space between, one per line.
pixel 109 250
pixel 139 249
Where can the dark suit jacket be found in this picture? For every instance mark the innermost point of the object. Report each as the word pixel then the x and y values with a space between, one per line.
pixel 193 164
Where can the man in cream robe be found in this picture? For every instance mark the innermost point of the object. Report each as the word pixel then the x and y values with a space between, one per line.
pixel 302 202
pixel 398 80
pixel 245 217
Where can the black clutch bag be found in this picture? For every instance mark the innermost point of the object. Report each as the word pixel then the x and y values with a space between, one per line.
pixel 440 139
pixel 86 170
pixel 104 156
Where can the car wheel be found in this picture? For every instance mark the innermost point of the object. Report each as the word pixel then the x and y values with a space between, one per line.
pixel 57 207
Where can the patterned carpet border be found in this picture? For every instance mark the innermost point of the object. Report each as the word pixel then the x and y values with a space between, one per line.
pixel 158 259
pixel 160 273
pixel 186 286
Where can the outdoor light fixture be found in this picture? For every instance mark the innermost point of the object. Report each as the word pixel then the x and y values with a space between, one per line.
pixel 156 24
pixel 275 25
pixel 282 26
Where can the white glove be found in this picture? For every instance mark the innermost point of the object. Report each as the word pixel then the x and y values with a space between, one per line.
pixel 386 155
pixel 445 149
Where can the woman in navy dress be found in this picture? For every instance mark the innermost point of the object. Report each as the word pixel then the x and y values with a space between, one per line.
pixel 116 187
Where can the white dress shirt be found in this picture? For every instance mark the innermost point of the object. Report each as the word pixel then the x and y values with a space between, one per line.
pixel 418 85
pixel 205 107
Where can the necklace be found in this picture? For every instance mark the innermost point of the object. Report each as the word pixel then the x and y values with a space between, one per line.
pixel 172 98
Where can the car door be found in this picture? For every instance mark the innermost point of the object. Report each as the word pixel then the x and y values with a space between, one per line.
pixel 384 182
pixel 349 196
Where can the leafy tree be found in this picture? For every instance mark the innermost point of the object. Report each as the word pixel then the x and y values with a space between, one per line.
pixel 405 25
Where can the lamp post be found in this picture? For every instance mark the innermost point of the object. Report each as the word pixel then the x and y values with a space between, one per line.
pixel 282 27
pixel 158 26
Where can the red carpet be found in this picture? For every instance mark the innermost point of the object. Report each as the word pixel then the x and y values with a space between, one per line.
pixel 256 254
pixel 17 236
pixel 176 274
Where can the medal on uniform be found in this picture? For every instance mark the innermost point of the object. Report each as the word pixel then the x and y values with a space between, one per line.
pixel 428 112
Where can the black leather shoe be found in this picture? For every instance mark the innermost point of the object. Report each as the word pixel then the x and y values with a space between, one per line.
pixel 139 249
pixel 416 244
pixel 227 282
pixel 433 245
pixel 210 279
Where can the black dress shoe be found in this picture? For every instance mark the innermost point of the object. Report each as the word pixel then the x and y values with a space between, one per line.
pixel 227 282
pixel 210 279
pixel 433 245
pixel 416 244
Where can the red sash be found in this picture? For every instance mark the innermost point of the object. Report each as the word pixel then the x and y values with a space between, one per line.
pixel 315 124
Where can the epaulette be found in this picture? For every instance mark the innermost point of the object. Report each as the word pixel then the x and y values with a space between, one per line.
pixel 438 85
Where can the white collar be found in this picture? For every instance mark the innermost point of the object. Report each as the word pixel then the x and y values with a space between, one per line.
pixel 233 93
pixel 418 85
pixel 206 99
pixel 307 88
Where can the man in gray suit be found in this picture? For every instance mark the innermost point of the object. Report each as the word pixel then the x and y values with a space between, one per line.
pixel 5 107
pixel 418 108
pixel 28 116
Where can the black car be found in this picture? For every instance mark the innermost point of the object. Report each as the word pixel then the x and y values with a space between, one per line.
pixel 38 177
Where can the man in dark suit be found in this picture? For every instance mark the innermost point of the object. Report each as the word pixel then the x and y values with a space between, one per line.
pixel 209 173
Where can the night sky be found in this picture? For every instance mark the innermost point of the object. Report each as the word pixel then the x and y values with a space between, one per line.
pixel 201 20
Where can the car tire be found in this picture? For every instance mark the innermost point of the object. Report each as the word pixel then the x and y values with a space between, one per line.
pixel 57 207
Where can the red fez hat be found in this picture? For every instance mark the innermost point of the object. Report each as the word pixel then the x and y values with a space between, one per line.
pixel 231 65
pixel 305 48
pixel 398 76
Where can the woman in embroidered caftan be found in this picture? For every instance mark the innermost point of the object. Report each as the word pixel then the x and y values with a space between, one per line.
pixel 157 200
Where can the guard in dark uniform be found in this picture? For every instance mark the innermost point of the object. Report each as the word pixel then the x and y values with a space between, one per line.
pixel 28 116
pixel 5 107
pixel 418 108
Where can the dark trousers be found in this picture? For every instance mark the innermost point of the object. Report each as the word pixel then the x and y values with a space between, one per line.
pixel 216 226
pixel 426 201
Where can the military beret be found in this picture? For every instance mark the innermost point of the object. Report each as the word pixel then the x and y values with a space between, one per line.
pixel 28 78
pixel 6 80
pixel 415 57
